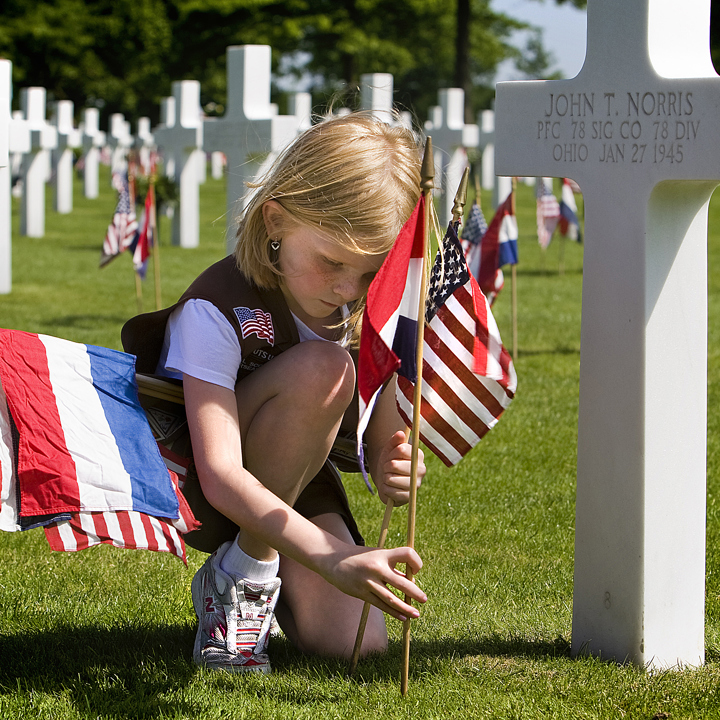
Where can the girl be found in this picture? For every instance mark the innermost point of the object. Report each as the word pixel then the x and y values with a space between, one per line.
pixel 263 343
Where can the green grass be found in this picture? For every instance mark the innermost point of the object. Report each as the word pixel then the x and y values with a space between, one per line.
pixel 108 633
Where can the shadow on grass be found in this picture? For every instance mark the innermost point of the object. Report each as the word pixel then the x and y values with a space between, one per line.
pixel 136 671
pixel 562 350
pixel 426 657
pixel 127 672
pixel 548 272
pixel 431 657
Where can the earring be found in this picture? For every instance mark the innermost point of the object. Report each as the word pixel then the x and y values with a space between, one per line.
pixel 275 251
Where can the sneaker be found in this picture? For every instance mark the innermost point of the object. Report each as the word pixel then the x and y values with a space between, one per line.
pixel 235 618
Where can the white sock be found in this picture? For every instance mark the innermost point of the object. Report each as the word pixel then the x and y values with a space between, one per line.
pixel 240 565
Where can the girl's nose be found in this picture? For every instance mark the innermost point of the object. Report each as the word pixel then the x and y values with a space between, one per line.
pixel 349 289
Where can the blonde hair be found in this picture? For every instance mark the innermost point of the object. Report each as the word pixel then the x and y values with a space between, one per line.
pixel 354 177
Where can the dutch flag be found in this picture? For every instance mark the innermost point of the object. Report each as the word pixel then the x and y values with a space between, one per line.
pixel 389 329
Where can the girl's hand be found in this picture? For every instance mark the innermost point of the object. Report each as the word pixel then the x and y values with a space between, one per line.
pixel 366 573
pixel 393 469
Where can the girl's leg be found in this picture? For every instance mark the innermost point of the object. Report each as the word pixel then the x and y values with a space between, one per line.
pixel 317 617
pixel 290 410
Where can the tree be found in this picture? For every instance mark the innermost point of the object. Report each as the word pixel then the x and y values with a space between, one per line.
pixel 101 51
pixel 124 54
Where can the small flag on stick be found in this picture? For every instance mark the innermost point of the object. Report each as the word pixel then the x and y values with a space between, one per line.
pixel 498 248
pixel 389 327
pixel 121 231
pixel 468 378
pixel 472 234
pixel 569 225
pixel 547 213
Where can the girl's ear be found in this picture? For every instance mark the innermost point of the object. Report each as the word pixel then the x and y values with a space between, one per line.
pixel 274 217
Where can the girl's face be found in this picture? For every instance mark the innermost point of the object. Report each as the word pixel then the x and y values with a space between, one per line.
pixel 320 276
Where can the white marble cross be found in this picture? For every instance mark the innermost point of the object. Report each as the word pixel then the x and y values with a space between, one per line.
pixel 250 131
pixel 300 105
pixel 120 141
pixel 167 120
pixel 144 143
pixel 36 163
pixel 639 130
pixel 93 141
pixel 450 137
pixel 501 186
pixel 180 141
pixel 5 178
pixel 376 95
pixel 486 143
pixel 69 137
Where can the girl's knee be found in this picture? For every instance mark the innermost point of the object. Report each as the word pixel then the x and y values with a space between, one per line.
pixel 324 370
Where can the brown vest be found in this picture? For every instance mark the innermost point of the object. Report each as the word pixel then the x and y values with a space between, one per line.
pixel 264 327
pixel 261 319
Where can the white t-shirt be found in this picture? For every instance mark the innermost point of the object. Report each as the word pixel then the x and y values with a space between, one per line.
pixel 201 342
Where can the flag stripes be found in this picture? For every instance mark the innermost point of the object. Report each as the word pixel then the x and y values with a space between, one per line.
pixel 458 406
pixel 468 379
pixel 77 455
pixel 389 327
pixel 125 529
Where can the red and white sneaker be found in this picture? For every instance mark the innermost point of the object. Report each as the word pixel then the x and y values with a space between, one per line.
pixel 235 617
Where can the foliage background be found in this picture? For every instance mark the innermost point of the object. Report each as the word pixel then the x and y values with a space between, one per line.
pixel 123 55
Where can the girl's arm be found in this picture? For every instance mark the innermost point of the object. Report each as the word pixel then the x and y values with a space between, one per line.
pixel 389 452
pixel 217 450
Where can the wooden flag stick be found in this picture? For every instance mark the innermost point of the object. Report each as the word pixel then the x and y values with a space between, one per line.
pixel 427 174
pixel 156 241
pixel 131 193
pixel 513 295
pixel 138 292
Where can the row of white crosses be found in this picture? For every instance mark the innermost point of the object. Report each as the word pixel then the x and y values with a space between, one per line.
pixel 251 134
pixel 41 151
pixel 452 137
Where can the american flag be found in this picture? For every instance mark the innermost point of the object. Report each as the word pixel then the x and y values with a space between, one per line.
pixel 126 529
pixel 472 235
pixel 123 228
pixel 548 213
pixel 256 322
pixel 468 378
pixel 144 240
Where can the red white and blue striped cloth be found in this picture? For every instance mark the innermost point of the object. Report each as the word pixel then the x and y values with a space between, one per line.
pixel 498 248
pixel 77 455
pixel 389 326
pixel 569 225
